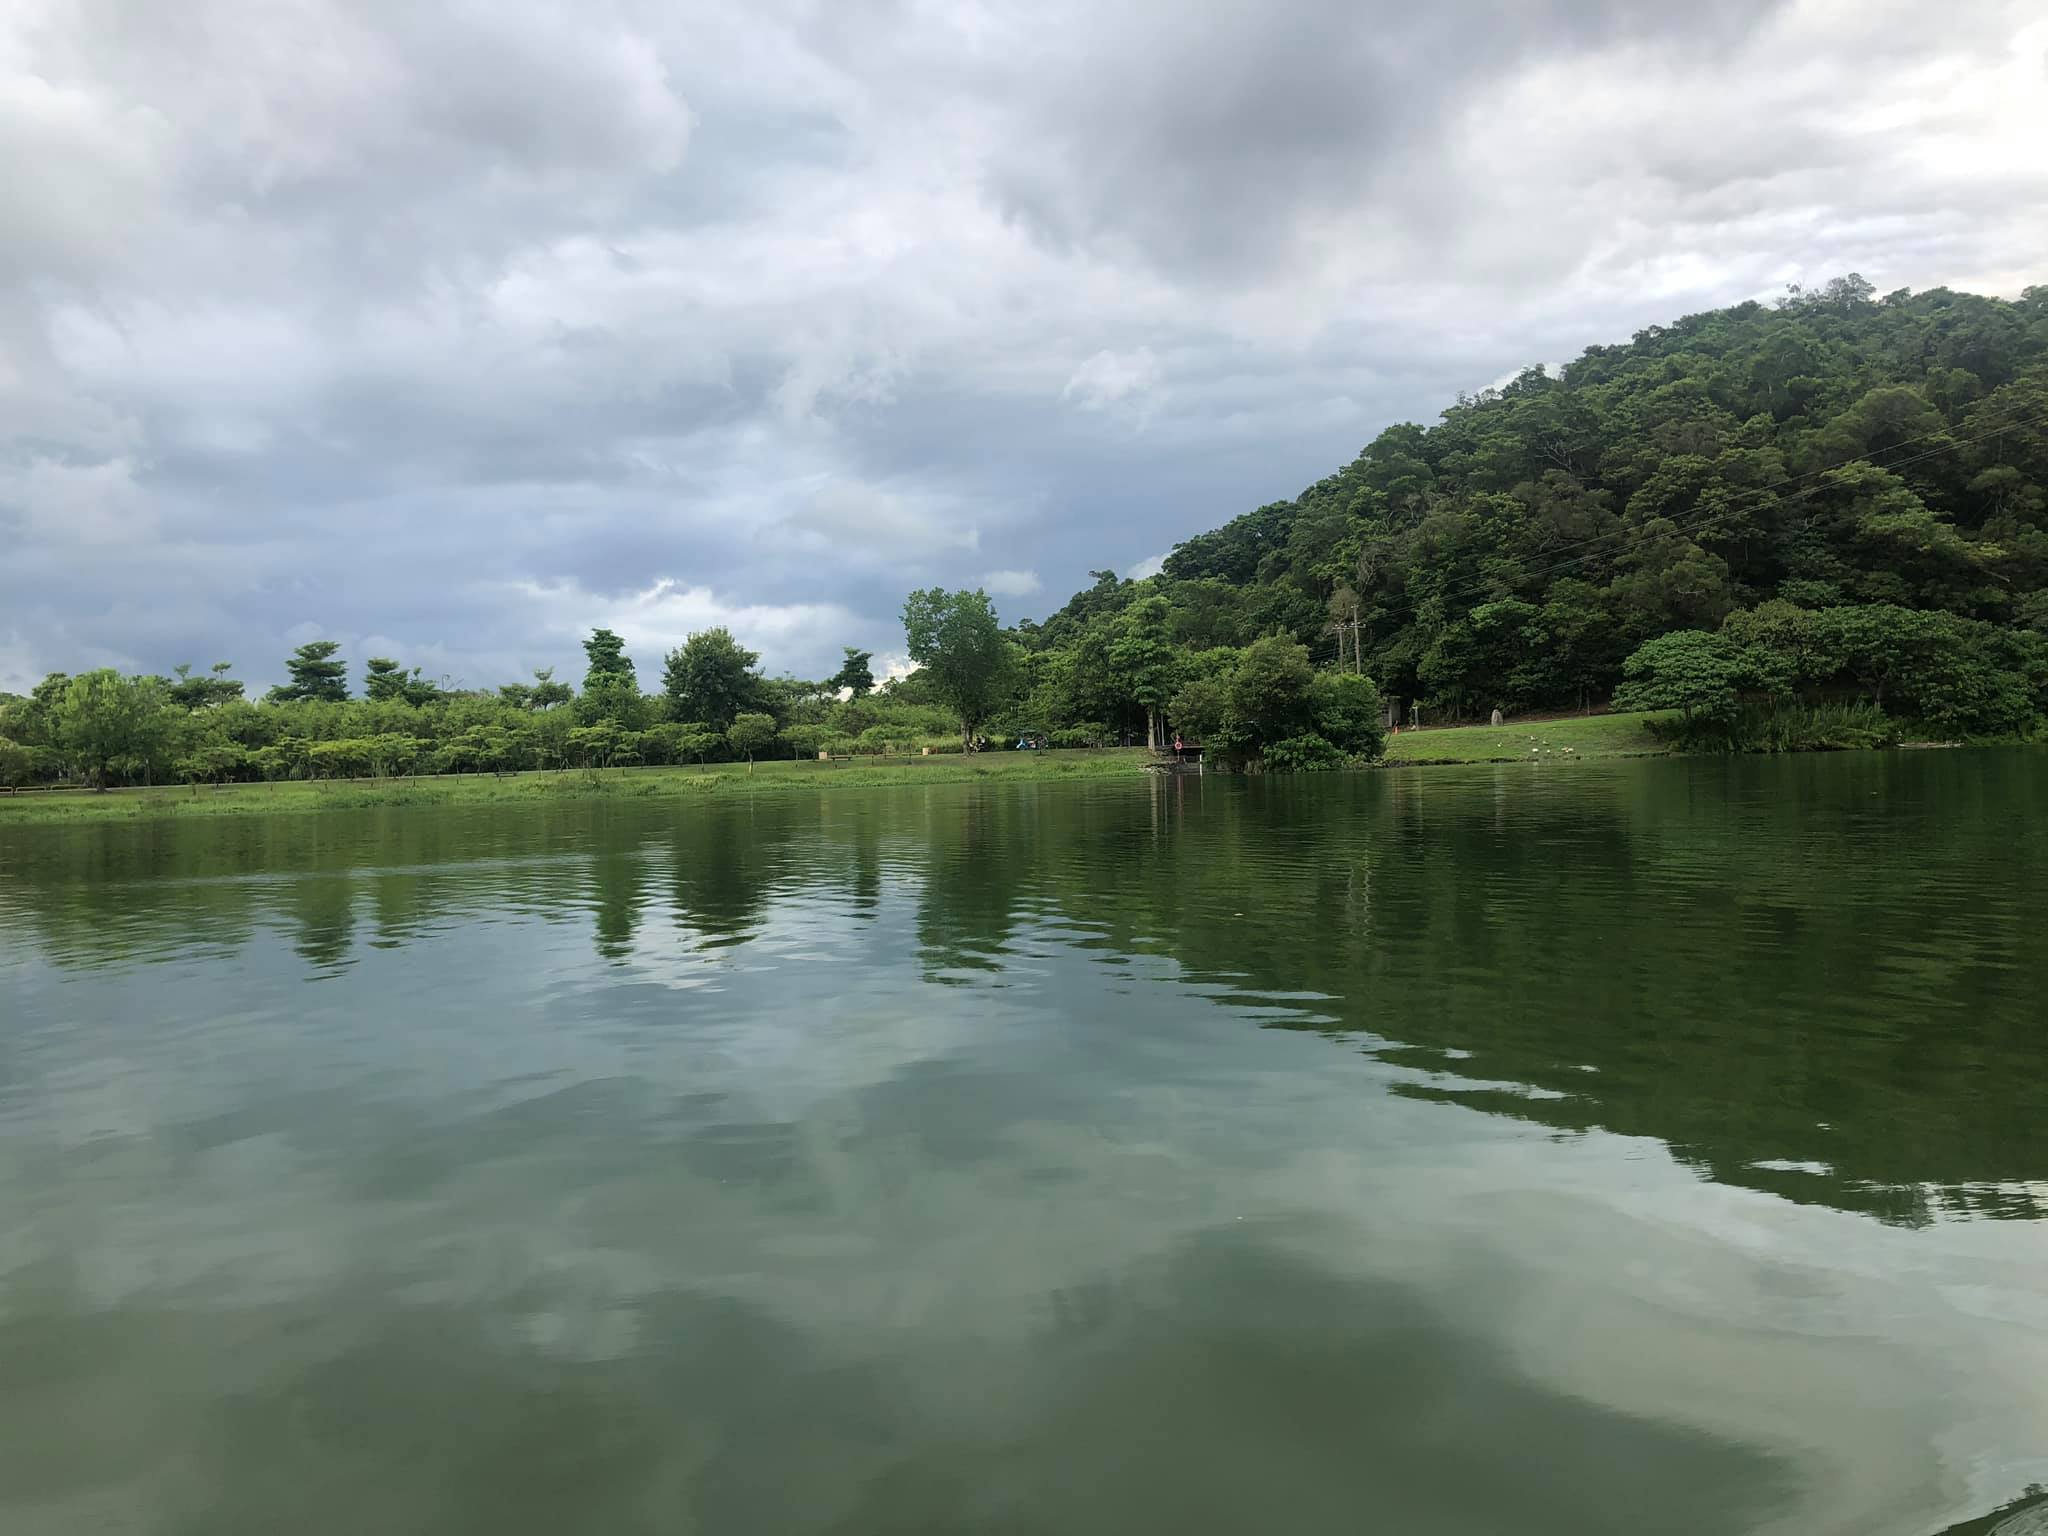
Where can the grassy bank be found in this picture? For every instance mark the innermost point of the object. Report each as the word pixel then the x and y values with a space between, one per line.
pixel 687 783
pixel 1572 736
pixel 1567 739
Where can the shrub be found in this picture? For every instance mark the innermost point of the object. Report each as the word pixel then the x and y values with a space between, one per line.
pixel 17 764
pixel 1302 754
pixel 1347 714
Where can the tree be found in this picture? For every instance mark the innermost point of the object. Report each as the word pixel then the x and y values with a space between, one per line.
pixel 796 700
pixel 548 737
pixel 805 740
pixel 538 696
pixel 1580 654
pixel 954 637
pixel 695 741
pixel 611 689
pixel 1202 709
pixel 608 658
pixel 1691 671
pixel 855 673
pixel 17 764
pixel 603 744
pixel 1147 666
pixel 682 741
pixel 1269 692
pixel 104 717
pixel 208 692
pixel 487 747
pixel 1265 703
pixel 213 760
pixel 383 678
pixel 1346 710
pixel 711 678
pixel 315 674
pixel 751 733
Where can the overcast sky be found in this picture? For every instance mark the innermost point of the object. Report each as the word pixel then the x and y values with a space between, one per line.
pixel 451 330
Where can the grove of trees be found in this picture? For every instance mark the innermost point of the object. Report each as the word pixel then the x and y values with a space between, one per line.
pixel 104 728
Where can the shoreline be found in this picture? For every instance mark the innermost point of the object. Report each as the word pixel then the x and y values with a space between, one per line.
pixel 1566 739
pixel 184 802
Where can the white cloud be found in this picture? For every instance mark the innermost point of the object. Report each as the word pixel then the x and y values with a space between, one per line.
pixel 1151 565
pixel 76 504
pixel 849 515
pixel 1010 583
pixel 18 669
pixel 660 617
pixel 891 664
pixel 1109 377
pixel 26 661
pixel 304 306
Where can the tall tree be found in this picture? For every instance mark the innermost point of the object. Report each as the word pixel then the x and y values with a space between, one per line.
pixel 383 678
pixel 315 672
pixel 710 679
pixel 611 689
pixel 608 658
pixel 1147 666
pixel 856 673
pixel 955 638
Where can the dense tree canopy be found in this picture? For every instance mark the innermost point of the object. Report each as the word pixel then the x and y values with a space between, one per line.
pixel 712 678
pixel 103 719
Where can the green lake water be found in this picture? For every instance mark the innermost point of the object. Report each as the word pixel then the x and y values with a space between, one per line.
pixel 1647 1147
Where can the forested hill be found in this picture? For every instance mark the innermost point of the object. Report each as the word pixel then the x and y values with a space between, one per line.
pixel 1830 451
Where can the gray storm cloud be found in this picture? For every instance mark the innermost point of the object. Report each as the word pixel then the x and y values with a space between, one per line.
pixel 453 330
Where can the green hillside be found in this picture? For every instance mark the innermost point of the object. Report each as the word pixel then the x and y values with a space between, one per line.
pixel 1833 451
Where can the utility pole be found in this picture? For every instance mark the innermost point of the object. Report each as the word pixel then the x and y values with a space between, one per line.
pixel 1357 652
pixel 1342 627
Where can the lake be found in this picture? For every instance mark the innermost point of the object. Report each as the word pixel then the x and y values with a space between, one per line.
pixel 1560 1149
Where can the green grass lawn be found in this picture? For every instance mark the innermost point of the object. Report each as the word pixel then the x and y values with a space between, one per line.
pixel 1564 740
pixel 1575 736
pixel 718 779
